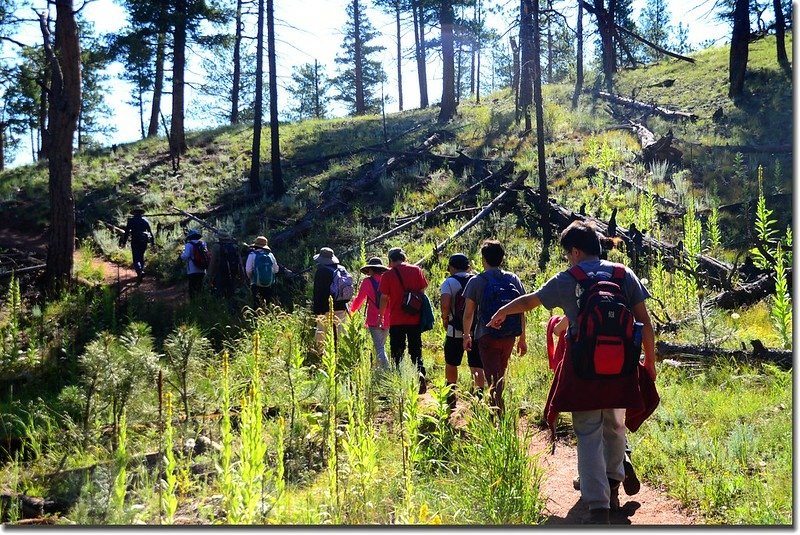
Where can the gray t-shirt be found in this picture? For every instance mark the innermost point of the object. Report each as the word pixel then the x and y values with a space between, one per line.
pixel 563 290
pixel 448 289
pixel 474 291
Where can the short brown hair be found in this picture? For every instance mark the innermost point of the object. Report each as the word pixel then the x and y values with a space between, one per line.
pixel 493 252
pixel 583 236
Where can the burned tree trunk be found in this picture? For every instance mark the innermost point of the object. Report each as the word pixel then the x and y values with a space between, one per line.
pixel 515 73
pixel 237 64
pixel 258 111
pixel 605 23
pixel 526 76
pixel 739 48
pixel 656 150
pixel 538 104
pixel 447 20
pixel 578 57
pixel 278 187
pixel 177 132
pixel 652 109
pixel 158 85
pixel 417 10
pixel 65 104
pixel 780 357
pixel 780 34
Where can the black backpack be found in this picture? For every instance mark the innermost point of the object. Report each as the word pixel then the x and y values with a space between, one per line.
pixel 229 261
pixel 604 343
pixel 459 303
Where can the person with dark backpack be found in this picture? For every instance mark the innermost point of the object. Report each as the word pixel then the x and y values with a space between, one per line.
pixel 261 268
pixel 369 293
pixel 600 379
pixel 195 254
pixel 140 233
pixel 485 294
pixel 452 308
pixel 331 281
pixel 226 266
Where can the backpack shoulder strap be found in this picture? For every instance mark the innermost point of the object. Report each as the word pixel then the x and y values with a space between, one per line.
pixel 399 277
pixel 580 276
pixel 462 280
pixel 618 274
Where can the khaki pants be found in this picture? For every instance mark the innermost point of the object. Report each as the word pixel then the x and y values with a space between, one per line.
pixel 322 326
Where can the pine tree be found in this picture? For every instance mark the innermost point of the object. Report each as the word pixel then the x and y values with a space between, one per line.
pixel 359 75
pixel 309 90
pixel 655 22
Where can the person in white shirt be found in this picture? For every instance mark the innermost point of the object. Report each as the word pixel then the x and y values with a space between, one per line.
pixel 261 268
pixel 452 305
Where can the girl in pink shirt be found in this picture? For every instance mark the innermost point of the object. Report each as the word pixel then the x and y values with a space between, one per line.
pixel 368 291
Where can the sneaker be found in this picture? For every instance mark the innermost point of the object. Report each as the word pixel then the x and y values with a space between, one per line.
pixel 423 387
pixel 576 483
pixel 598 516
pixel 631 483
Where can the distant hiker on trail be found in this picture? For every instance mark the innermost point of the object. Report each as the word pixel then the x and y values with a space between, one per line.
pixel 485 294
pixel 369 292
pixel 261 268
pixel 140 233
pixel 226 266
pixel 452 307
pixel 195 254
pixel 600 379
pixel 401 295
pixel 331 281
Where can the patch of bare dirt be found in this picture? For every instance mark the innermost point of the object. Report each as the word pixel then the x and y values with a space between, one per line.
pixel 649 507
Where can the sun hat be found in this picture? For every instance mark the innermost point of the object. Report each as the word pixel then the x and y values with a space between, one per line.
pixel 326 257
pixel 396 254
pixel 261 243
pixel 459 261
pixel 373 263
pixel 137 210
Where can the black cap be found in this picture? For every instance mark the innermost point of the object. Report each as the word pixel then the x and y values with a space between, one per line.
pixel 459 261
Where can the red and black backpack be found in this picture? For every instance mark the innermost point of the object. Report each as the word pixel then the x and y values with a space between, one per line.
pixel 604 343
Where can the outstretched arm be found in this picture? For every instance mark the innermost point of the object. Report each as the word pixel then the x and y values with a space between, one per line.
pixel 519 305
pixel 648 338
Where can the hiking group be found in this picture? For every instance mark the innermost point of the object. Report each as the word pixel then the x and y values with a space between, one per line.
pixel 603 363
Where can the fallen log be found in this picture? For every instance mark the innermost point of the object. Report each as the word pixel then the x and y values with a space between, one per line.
pixel 19 271
pixel 337 198
pixel 31 507
pixel 652 109
pixel 512 188
pixel 717 271
pixel 197 220
pixel 656 149
pixel 456 163
pixel 781 357
pixel 500 173
pixel 111 227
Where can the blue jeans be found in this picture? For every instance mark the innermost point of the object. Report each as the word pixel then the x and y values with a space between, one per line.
pixel 379 341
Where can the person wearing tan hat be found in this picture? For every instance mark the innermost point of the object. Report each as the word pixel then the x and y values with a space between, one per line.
pixel 261 268
pixel 328 269
pixel 368 291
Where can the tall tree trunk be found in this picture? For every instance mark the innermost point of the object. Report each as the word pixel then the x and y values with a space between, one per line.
pixel 578 57
pixel 780 34
pixel 515 72
pixel 2 146
pixel 177 133
pixel 538 104
pixel 549 41
pixel 397 7
pixel 44 104
pixel 278 187
pixel 605 27
pixel 457 76
pixel 739 48
pixel 64 109
pixel 158 84
pixel 237 64
pixel 478 54
pixel 472 48
pixel 612 18
pixel 80 130
pixel 361 108
pixel 255 162
pixel 140 103
pixel 317 108
pixel 446 21
pixel 421 53
pixel 526 48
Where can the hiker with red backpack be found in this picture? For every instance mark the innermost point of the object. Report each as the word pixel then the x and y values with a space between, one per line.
pixel 369 293
pixel 600 379
pixel 452 307
pixel 331 281
pixel 261 268
pixel 485 294
pixel 195 254
pixel 402 294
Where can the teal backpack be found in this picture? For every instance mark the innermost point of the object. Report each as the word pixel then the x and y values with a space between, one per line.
pixel 262 269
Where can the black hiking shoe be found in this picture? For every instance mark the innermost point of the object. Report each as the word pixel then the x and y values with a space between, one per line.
pixel 613 501
pixel 598 516
pixel 631 483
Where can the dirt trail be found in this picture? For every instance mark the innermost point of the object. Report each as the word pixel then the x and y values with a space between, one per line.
pixel 649 507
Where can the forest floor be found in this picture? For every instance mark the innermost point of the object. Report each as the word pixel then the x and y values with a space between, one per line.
pixel 649 507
